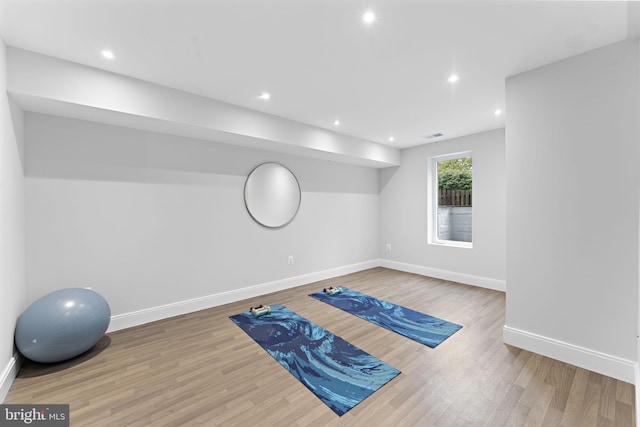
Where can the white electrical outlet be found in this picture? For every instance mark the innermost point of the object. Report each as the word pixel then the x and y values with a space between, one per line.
pixel 388 246
pixel 290 260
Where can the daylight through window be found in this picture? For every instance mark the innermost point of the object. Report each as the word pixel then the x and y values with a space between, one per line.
pixel 451 199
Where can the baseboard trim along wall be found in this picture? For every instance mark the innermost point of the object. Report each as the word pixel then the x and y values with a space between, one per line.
pixel 9 374
pixel 602 363
pixel 467 279
pixel 152 314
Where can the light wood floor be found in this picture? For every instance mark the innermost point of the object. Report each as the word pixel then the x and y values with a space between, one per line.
pixel 201 369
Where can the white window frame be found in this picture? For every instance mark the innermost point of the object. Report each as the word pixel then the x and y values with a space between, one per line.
pixel 432 201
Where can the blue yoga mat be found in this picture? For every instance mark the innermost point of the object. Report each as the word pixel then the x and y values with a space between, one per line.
pixel 337 372
pixel 425 329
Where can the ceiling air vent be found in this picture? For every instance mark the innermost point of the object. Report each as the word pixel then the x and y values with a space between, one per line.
pixel 434 135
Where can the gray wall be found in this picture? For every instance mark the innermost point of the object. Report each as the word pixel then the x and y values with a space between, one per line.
pixel 403 214
pixel 148 219
pixel 573 279
pixel 12 227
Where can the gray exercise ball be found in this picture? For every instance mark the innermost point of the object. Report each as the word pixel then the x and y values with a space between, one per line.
pixel 62 325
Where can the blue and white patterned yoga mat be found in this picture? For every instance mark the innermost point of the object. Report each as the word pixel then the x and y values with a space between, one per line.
pixel 425 329
pixel 338 372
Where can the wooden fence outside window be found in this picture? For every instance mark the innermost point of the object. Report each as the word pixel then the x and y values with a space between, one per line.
pixel 454 197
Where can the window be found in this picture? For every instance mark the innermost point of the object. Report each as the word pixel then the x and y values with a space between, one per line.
pixel 450 212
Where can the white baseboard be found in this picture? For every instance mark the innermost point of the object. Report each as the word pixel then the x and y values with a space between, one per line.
pixel 602 363
pixel 140 317
pixel 152 314
pixel 467 279
pixel 9 374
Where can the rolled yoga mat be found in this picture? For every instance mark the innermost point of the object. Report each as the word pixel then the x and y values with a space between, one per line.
pixel 420 327
pixel 337 372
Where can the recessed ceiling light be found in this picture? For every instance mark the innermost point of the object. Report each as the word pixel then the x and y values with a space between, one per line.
pixel 497 112
pixel 391 139
pixel 368 17
pixel 265 95
pixel 106 53
pixel 336 122
pixel 453 78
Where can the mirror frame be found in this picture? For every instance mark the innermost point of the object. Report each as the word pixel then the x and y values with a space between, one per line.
pixel 264 186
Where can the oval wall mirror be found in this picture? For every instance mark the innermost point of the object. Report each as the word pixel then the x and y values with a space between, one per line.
pixel 272 195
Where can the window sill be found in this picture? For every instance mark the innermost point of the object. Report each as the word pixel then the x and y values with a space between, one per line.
pixel 452 243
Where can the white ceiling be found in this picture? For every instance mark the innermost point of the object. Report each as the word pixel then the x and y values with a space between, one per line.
pixel 319 60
